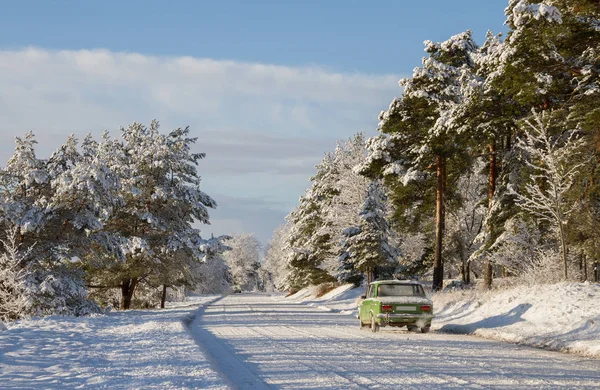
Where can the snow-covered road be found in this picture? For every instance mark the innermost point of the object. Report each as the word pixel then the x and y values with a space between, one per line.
pixel 261 341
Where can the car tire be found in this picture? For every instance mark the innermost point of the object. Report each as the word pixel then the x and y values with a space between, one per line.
pixel 412 328
pixel 374 325
pixel 425 329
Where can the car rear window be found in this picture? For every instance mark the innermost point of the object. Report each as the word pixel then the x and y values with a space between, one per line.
pixel 394 290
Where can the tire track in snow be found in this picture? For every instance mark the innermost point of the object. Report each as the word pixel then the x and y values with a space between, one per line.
pixel 441 379
pixel 223 358
pixel 336 375
pixel 318 364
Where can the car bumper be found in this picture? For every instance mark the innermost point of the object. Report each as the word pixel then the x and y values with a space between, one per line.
pixel 404 316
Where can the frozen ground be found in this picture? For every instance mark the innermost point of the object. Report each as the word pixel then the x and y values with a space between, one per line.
pixel 262 341
pixel 134 349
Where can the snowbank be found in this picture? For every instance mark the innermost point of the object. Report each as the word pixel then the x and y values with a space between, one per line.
pixel 562 317
pixel 301 295
pixel 342 299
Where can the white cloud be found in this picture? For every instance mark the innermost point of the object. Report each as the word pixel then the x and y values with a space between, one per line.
pixel 253 120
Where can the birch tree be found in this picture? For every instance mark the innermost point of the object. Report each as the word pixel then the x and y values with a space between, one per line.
pixel 13 301
pixel 552 161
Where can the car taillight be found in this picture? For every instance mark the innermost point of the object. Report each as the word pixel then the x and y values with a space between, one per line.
pixel 386 307
pixel 426 308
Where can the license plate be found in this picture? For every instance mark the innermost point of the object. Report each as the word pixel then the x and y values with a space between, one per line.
pixel 406 308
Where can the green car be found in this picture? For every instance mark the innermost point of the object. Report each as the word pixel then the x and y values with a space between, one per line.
pixel 396 303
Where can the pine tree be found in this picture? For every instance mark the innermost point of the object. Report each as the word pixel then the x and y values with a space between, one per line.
pixel 152 231
pixel 489 113
pixel 420 133
pixel 342 208
pixel 53 279
pixel 367 248
pixel 310 237
pixel 544 63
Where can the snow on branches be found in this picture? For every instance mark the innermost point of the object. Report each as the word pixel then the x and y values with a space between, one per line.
pixel 554 162
pixel 124 209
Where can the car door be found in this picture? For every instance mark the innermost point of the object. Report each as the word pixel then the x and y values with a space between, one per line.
pixel 364 305
pixel 373 303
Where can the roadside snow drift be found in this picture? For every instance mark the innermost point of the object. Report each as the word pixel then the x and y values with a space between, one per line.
pixel 135 349
pixel 562 317
pixel 342 299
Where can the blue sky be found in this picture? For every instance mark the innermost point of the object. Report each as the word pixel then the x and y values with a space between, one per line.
pixel 267 86
pixel 349 35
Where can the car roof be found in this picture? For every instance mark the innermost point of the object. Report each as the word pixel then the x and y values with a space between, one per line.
pixel 394 281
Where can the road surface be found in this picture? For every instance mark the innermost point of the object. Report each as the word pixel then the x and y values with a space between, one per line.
pixel 262 341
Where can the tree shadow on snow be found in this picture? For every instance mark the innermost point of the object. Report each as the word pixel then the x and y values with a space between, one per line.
pixel 511 317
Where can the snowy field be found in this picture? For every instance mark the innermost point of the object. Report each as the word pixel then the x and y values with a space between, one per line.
pixel 136 349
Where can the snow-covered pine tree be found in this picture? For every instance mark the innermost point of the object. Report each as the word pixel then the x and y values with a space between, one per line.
pixel 342 209
pixel 330 205
pixel 25 190
pixel 488 113
pixel 543 63
pixel 54 230
pixel 347 272
pixel 152 232
pixel 367 248
pixel 420 132
pixel 310 238
pixel 550 60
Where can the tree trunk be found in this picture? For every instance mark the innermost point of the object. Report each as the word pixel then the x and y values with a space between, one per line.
pixel 127 289
pixel 596 272
pixel 464 264
pixel 163 298
pixel 468 272
pixel 488 276
pixel 463 270
pixel 563 246
pixel 369 275
pixel 585 266
pixel 438 262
